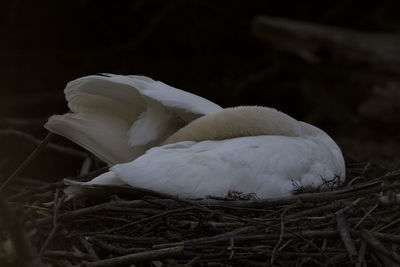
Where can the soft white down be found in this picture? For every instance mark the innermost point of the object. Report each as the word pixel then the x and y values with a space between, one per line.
pixel 174 142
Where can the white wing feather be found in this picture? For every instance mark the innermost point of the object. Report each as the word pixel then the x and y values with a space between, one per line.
pixel 104 136
pixel 265 165
pixel 136 110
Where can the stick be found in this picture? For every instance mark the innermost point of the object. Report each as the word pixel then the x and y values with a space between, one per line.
pixel 115 249
pixel 361 255
pixel 280 236
pixel 344 231
pixel 376 246
pixel 51 146
pixel 57 204
pixel 353 191
pixel 28 160
pixel 89 248
pixel 138 257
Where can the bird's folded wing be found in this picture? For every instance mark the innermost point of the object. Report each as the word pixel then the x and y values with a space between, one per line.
pixel 103 95
pixel 186 105
pixel 148 110
pixel 134 93
pixel 265 165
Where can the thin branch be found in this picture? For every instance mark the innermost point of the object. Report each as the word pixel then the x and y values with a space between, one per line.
pixel 376 246
pixel 344 231
pixel 138 257
pixel 51 146
pixel 28 160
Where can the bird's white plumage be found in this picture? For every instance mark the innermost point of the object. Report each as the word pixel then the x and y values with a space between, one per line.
pixel 102 134
pixel 181 144
pixel 145 112
pixel 267 165
pixel 154 124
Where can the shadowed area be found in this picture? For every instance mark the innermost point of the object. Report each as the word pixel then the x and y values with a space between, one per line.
pixel 334 65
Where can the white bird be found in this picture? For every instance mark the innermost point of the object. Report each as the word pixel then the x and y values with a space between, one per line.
pixel 175 142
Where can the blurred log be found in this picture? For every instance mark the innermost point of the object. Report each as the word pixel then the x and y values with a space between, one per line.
pixel 379 99
pixel 308 40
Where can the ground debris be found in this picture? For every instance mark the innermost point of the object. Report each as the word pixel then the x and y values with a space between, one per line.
pixel 345 226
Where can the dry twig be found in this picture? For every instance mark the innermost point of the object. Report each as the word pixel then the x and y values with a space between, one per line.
pixel 158 227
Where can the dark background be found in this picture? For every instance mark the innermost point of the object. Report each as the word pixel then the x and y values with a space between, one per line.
pixel 205 47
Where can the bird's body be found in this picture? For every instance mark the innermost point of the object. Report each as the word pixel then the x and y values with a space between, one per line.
pixel 196 150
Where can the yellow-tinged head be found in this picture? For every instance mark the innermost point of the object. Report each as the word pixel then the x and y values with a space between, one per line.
pixel 237 122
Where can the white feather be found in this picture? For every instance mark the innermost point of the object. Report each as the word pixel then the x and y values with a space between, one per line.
pixel 119 117
pixel 282 153
pixel 266 165
pixel 106 178
pixel 103 135
pixel 153 126
pixel 181 144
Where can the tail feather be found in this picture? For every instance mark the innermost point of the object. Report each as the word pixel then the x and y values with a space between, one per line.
pixel 104 136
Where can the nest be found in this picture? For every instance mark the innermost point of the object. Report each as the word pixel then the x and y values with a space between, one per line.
pixel 356 223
